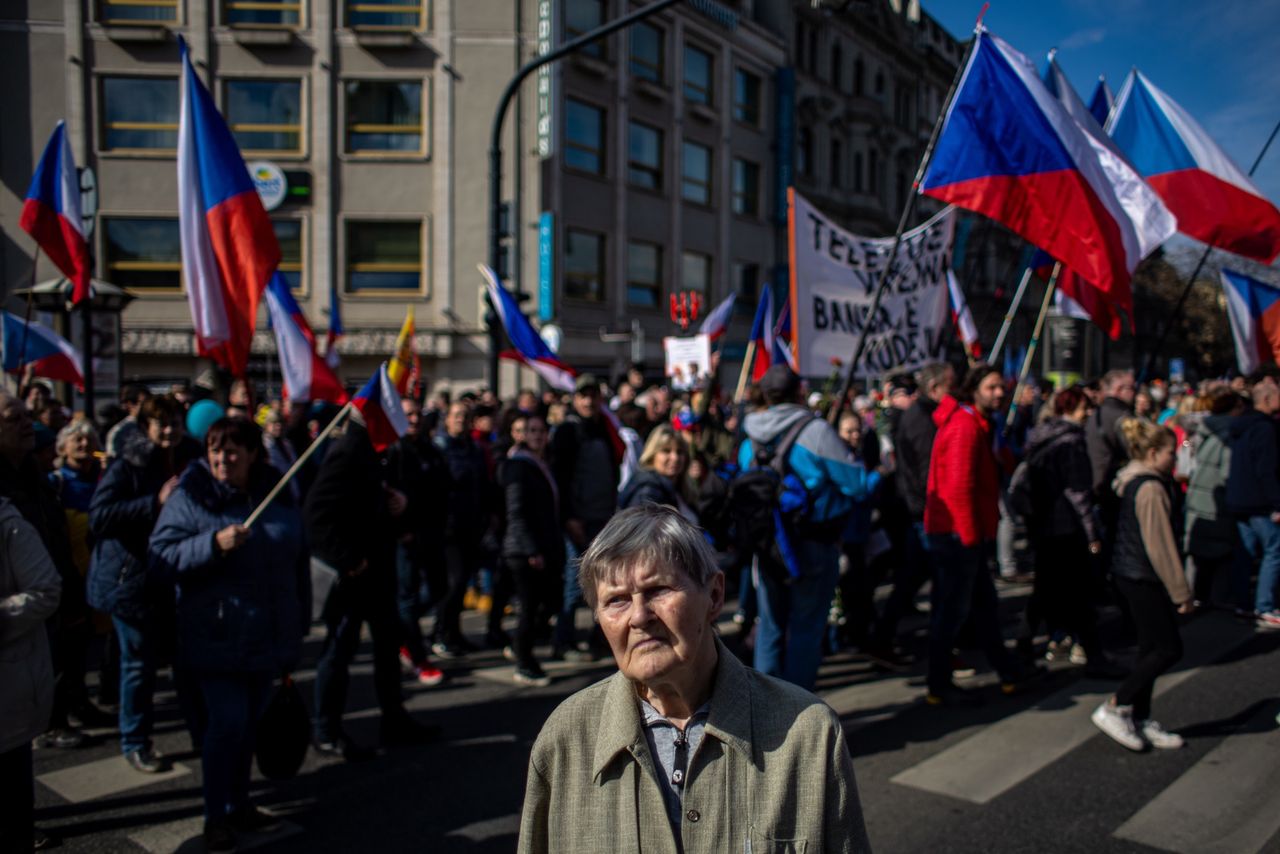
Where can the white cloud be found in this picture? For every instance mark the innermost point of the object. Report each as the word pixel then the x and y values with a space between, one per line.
pixel 1083 38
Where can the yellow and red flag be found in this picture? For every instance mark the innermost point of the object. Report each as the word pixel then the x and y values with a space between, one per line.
pixel 401 364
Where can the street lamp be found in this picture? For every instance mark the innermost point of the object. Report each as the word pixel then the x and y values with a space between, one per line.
pixel 495 155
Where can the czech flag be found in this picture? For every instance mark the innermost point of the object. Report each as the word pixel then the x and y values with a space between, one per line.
pixel 963 318
pixel 51 212
pixel 401 367
pixel 530 350
pixel 306 376
pixel 1254 310
pixel 762 335
pixel 1010 151
pixel 1215 202
pixel 1102 101
pixel 379 405
pixel 47 352
pixel 229 250
pixel 717 322
pixel 336 330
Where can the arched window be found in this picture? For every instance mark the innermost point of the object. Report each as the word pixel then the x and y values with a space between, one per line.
pixel 858 184
pixel 836 174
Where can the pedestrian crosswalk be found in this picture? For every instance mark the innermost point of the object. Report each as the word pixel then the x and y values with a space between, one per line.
pixel 103 778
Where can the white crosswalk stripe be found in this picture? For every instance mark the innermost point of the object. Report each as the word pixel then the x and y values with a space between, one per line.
pixel 104 778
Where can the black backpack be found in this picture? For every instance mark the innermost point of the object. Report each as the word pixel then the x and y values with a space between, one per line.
pixel 756 500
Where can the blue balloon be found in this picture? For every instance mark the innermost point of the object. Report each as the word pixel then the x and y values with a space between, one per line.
pixel 200 417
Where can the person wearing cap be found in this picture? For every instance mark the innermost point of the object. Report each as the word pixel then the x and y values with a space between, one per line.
pixel 793 616
pixel 585 465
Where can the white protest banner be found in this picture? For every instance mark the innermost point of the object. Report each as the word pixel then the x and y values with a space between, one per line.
pixel 834 277
pixel 687 359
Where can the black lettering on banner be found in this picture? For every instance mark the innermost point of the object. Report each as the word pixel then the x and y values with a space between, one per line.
pixel 816 222
pixel 909 306
pixel 819 313
pixel 839 316
pixel 834 245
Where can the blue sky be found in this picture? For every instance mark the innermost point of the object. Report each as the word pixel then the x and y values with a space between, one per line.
pixel 1219 60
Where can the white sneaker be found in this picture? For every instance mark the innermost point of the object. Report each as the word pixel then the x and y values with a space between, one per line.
pixel 1078 655
pixel 1157 736
pixel 1117 722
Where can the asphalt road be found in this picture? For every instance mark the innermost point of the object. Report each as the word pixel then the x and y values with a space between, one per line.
pixel 1025 773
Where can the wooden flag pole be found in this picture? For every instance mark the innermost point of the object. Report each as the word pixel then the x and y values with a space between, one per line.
pixel 747 361
pixel 1031 345
pixel 298 464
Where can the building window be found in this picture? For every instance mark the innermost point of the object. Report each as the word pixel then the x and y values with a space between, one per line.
pixel 584 137
pixel 859 76
pixel 837 163
pixel 695 185
pixel 138 13
pixel 837 67
pixel 858 184
pixel 644 274
pixel 385 14
pixel 142 252
pixel 644 157
pixel 879 84
pixel 289 236
pixel 265 115
pixel 746 279
pixel 139 113
pixel 746 97
pixel 584 265
pixel 695 273
pixel 698 77
pixel 384 116
pixel 746 187
pixel 582 16
pixel 873 172
pixel 263 13
pixel 647 53
pixel 384 256
pixel 804 153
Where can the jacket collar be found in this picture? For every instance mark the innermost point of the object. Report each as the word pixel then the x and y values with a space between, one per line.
pixel 621 726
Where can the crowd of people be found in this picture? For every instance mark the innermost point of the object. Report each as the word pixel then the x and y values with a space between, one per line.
pixel 130 554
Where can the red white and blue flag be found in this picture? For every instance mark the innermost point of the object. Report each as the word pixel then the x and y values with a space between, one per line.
pixel 46 352
pixel 379 405
pixel 529 348
pixel 963 317
pixel 51 212
pixel 770 335
pixel 1009 150
pixel 306 376
pixel 1254 309
pixel 229 250
pixel 1214 201
pixel 716 324
pixel 336 330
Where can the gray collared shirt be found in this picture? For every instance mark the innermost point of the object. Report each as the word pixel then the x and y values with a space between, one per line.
pixel 673 751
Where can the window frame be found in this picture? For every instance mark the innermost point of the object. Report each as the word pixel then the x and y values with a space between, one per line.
pixel 424 118
pixel 685 83
pixel 685 256
pixel 102 126
pixel 100 13
pixel 660 68
pixel 753 210
pixel 739 107
pixel 300 129
pixel 598 49
pixel 225 7
pixel 601 152
pixel 602 261
pixel 658 287
pixel 302 267
pixel 348 266
pixel 686 180
pixel 656 172
pixel 107 267
pixel 384 7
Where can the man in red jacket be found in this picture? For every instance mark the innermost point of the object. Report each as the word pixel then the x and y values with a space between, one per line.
pixel 960 517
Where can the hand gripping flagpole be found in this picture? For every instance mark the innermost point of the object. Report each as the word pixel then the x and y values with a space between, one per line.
pixel 298 464
pixel 886 279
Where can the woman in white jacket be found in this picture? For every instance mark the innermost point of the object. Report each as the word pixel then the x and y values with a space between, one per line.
pixel 29 592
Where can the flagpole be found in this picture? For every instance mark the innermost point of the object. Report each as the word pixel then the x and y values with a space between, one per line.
pixel 1008 318
pixel 1186 291
pixel 1031 345
pixel 297 464
pixel 885 278
pixel 747 361
pixel 26 321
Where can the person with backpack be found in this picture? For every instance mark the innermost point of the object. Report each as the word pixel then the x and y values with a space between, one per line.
pixel 788 445
pixel 1148 574
pixel 1211 537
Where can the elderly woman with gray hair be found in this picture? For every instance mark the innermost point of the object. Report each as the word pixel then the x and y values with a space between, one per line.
pixel 684 749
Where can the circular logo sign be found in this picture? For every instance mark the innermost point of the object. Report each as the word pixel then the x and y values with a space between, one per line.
pixel 552 335
pixel 270 183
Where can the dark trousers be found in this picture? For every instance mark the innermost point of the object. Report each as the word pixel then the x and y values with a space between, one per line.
pixel 351 603
pixel 234 704
pixel 857 593
pixel 420 584
pixel 537 590
pixel 1159 643
pixel 1063 593
pixel 461 561
pixel 70 648
pixel 962 591
pixel 17 799
pixel 915 570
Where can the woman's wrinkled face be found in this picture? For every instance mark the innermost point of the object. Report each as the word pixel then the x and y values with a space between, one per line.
pixel 230 464
pixel 77 448
pixel 669 461
pixel 656 619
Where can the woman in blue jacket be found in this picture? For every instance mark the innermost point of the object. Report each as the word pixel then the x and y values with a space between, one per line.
pixel 241 604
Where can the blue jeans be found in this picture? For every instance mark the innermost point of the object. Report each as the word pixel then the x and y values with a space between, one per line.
pixel 793 617
pixel 962 589
pixel 411 600
pixel 235 703
pixel 137 684
pixel 1261 539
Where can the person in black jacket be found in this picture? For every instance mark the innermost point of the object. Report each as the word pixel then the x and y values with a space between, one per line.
pixel 913 446
pixel 1253 496
pixel 351 522
pixel 532 546
pixel 123 512
pixel 1107 451
pixel 1066 533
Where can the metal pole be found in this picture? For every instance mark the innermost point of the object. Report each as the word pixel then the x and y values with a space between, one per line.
pixel 495 154
pixel 885 278
pixel 86 314
pixel 1031 345
pixel 1186 291
pixel 26 321
pixel 1008 318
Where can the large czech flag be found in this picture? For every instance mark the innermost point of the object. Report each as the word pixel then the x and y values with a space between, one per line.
pixel 1010 151
pixel 306 375
pixel 51 212
pixel 379 404
pixel 529 348
pixel 229 250
pixel 1214 201
pixel 1254 310
pixel 45 351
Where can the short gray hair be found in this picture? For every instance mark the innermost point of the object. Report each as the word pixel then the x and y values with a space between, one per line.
pixel 646 534
pixel 77 427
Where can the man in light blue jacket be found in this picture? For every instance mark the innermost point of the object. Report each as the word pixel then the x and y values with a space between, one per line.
pixel 793 615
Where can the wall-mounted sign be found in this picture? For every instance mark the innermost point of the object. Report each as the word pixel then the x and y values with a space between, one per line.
pixel 269 181
pixel 546 267
pixel 546 79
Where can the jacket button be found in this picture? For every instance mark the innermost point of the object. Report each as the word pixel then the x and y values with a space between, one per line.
pixel 693 815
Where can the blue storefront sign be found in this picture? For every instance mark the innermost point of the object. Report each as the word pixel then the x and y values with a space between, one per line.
pixel 546 267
